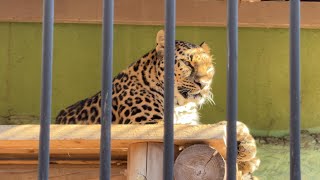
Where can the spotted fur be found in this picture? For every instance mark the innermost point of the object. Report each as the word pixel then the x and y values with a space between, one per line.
pixel 138 91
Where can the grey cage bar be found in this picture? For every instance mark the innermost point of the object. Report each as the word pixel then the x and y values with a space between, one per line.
pixel 232 88
pixel 232 71
pixel 46 89
pixel 295 173
pixel 170 22
pixel 106 92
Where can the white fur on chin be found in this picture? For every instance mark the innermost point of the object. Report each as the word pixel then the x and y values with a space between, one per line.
pixel 186 114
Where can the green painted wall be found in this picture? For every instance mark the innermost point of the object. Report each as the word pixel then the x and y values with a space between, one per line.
pixel 263 70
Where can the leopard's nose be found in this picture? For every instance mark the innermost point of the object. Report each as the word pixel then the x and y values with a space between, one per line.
pixel 202 84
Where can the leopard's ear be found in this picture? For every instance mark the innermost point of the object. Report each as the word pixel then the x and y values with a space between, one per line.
pixel 160 42
pixel 205 47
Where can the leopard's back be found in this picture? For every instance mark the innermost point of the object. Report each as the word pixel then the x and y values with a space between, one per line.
pixel 86 111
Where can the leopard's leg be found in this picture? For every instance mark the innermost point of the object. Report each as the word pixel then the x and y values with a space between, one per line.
pixel 248 167
pixel 249 176
pixel 247 150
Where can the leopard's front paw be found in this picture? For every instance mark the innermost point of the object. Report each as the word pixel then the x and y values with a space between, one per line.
pixel 248 167
pixel 249 177
pixel 246 144
pixel 247 148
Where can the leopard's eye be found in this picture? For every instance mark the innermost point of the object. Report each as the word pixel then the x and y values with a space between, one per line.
pixel 190 68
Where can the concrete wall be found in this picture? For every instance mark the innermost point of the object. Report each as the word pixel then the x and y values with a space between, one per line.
pixel 263 70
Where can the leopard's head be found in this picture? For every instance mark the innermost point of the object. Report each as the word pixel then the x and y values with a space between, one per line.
pixel 194 70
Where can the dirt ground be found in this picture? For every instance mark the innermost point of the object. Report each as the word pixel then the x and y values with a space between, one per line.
pixel 308 140
pixel 275 157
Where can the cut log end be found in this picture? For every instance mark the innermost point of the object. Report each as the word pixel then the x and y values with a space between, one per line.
pixel 199 162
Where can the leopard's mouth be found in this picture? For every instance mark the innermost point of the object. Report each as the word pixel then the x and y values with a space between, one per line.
pixel 186 93
pixel 196 95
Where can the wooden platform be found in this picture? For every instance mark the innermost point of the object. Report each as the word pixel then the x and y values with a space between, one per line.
pixel 74 149
pixel 79 144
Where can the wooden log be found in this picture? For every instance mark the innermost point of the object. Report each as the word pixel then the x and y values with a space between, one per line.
pixel 145 161
pixel 199 162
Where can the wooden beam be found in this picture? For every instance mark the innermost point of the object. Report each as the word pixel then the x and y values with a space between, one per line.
pixel 81 143
pixel 78 172
pixel 269 14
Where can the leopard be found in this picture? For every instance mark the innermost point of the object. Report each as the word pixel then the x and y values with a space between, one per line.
pixel 138 93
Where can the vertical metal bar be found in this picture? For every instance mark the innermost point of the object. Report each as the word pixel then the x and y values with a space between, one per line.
pixel 232 88
pixel 295 173
pixel 46 89
pixel 106 92
pixel 170 31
